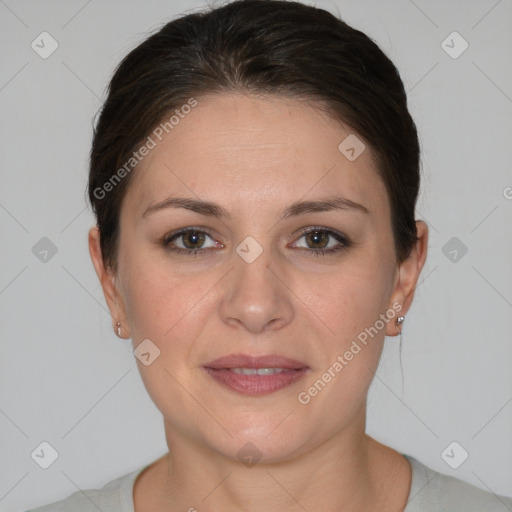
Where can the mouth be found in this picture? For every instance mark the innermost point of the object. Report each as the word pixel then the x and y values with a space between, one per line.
pixel 258 371
pixel 256 375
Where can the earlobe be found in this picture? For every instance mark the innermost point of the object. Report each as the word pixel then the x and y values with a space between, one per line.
pixel 408 275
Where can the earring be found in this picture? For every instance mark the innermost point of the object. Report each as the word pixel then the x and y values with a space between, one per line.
pixel 400 321
pixel 118 329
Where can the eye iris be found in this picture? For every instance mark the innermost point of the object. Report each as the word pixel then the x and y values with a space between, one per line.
pixel 317 237
pixel 195 237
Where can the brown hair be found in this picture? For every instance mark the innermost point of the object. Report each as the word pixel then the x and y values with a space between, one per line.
pixel 264 47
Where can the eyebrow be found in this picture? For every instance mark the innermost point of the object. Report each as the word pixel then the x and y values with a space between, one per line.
pixel 298 208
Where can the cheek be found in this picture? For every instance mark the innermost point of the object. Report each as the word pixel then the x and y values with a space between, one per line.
pixel 170 311
pixel 144 297
pixel 347 300
pixel 346 309
pixel 156 304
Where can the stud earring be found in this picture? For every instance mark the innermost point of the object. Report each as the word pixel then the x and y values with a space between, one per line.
pixel 400 321
pixel 118 329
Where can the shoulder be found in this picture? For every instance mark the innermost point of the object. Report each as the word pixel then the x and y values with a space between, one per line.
pixel 115 496
pixel 435 492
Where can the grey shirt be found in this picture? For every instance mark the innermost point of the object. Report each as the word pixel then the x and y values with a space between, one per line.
pixel 430 492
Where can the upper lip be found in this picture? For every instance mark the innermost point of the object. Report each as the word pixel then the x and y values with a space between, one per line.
pixel 247 361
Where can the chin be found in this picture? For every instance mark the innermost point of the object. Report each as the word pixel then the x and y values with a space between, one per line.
pixel 266 442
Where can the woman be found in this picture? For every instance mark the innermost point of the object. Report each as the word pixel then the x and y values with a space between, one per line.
pixel 254 174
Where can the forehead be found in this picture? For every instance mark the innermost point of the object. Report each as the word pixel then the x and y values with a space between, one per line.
pixel 246 150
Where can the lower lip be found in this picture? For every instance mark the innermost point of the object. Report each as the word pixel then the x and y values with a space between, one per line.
pixel 256 385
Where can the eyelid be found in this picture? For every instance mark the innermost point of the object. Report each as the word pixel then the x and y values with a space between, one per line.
pixel 184 231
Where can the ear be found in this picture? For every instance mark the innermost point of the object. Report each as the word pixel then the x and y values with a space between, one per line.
pixel 108 283
pixel 408 273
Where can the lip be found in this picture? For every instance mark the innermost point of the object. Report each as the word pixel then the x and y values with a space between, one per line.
pixel 247 361
pixel 256 385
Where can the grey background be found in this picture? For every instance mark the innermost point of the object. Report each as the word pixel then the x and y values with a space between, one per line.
pixel 68 380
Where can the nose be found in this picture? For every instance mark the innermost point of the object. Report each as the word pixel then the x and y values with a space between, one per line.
pixel 255 296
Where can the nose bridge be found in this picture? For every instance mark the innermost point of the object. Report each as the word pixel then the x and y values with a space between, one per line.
pixel 255 297
pixel 252 276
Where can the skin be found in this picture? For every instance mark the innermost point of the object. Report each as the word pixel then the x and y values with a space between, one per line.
pixel 255 156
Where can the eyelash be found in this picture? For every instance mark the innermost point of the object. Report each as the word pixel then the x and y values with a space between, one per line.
pixel 316 252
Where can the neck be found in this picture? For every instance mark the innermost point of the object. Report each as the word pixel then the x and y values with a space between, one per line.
pixel 345 472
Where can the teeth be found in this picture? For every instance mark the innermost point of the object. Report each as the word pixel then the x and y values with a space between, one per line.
pixel 257 371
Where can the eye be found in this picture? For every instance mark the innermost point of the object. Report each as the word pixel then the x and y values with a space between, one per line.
pixel 189 241
pixel 321 241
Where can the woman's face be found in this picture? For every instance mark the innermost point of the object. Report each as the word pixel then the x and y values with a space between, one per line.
pixel 259 284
